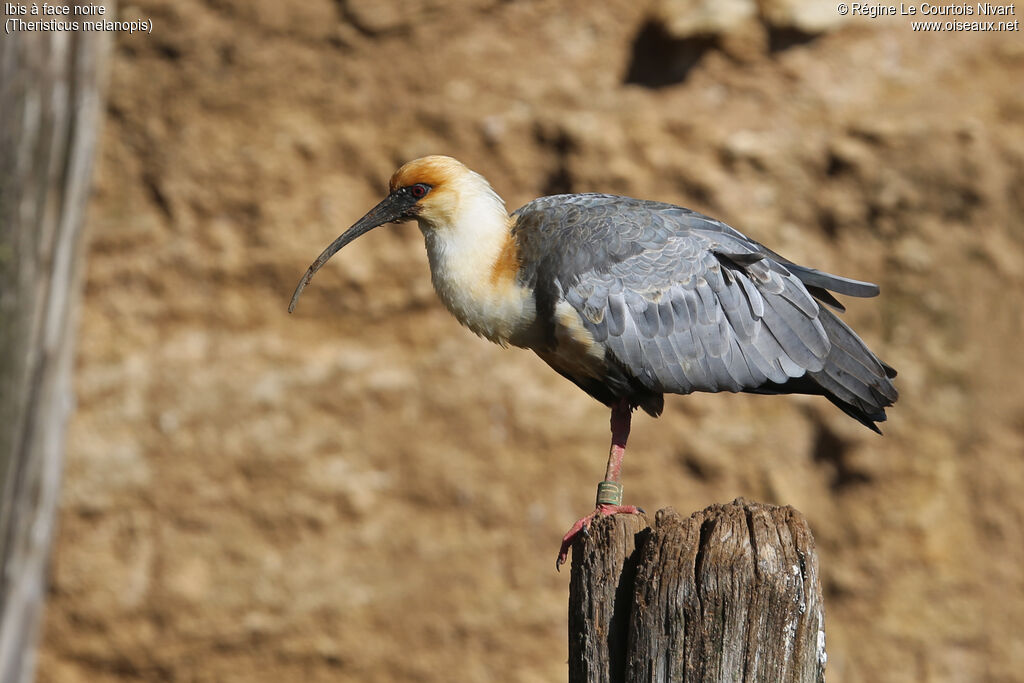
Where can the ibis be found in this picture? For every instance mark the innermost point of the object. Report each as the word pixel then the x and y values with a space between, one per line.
pixel 631 300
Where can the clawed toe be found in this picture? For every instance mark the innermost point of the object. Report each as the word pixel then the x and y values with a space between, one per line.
pixel 582 526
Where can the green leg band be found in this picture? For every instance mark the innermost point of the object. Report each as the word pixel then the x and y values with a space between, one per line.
pixel 609 493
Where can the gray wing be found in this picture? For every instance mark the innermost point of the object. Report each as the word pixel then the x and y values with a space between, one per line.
pixel 683 302
pixel 682 320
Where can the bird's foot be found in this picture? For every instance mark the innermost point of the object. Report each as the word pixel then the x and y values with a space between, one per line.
pixel 581 526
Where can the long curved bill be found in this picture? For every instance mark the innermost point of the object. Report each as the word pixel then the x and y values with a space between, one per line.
pixel 393 208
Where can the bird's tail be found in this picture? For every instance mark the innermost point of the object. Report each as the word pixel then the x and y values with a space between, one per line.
pixel 854 378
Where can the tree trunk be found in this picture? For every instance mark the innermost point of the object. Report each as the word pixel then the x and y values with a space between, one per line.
pixel 50 95
pixel 729 594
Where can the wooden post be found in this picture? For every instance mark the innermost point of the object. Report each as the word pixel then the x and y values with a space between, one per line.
pixel 50 105
pixel 730 593
pixel 600 597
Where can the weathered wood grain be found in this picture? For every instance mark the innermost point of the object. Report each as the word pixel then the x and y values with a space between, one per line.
pixel 600 595
pixel 730 593
pixel 50 105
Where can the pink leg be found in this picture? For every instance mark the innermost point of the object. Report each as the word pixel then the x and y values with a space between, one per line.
pixel 609 493
pixel 621 417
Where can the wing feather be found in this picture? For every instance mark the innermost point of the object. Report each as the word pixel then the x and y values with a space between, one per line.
pixel 671 372
pixel 753 297
pixel 682 302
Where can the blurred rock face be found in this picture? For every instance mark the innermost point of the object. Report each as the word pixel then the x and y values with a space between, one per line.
pixel 365 491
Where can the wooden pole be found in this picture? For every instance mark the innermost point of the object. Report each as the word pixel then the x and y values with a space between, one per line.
pixel 730 593
pixel 50 105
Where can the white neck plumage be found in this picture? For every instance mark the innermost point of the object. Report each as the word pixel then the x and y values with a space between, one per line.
pixel 471 265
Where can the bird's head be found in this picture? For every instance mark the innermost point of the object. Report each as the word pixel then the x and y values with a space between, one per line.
pixel 436 183
pixel 434 190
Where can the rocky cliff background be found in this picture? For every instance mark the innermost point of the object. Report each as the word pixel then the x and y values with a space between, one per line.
pixel 364 491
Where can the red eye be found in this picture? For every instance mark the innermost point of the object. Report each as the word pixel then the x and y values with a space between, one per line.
pixel 419 190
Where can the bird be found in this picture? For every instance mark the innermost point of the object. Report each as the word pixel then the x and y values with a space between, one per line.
pixel 630 299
